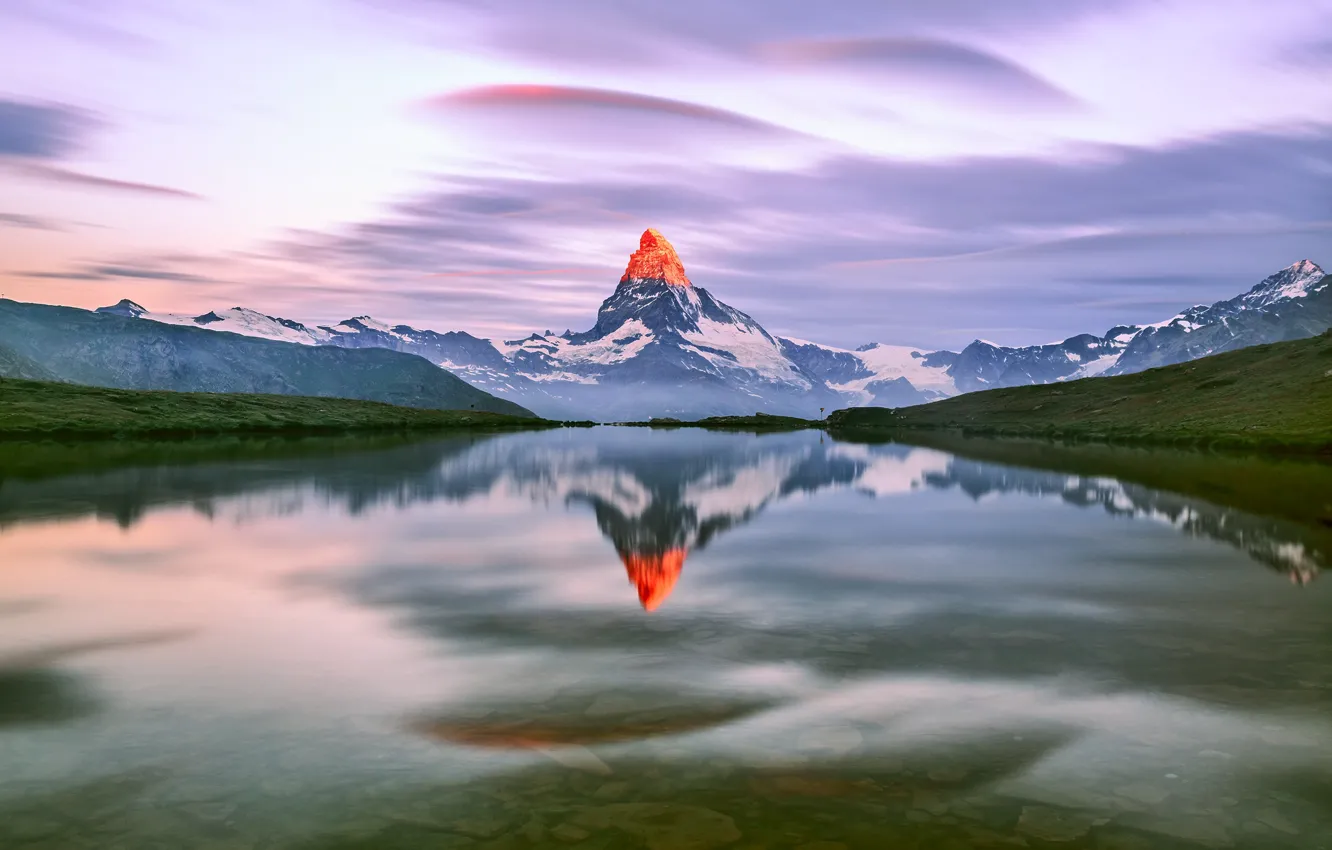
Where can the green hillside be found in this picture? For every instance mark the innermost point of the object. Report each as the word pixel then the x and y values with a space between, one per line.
pixel 43 342
pixel 36 410
pixel 1276 396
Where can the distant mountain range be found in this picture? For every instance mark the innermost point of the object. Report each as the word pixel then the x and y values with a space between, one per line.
pixel 662 346
pixel 42 342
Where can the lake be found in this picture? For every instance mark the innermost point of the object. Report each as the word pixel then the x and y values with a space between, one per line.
pixel 619 637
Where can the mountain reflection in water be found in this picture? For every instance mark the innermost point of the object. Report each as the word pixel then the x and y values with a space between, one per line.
pixel 658 507
pixel 393 644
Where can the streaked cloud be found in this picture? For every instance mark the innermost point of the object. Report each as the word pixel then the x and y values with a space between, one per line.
pixel 68 177
pixel 35 136
pixel 934 63
pixel 633 33
pixel 102 23
pixel 108 272
pixel 517 272
pixel 41 130
pixel 526 99
pixel 27 222
pixel 543 123
pixel 47 275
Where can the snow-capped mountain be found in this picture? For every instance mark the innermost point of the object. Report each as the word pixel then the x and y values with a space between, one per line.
pixel 657 327
pixel 1294 303
pixel 239 320
pixel 983 365
pixel 662 346
pixel 877 374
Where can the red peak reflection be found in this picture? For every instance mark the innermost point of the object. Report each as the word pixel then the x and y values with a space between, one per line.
pixel 654 574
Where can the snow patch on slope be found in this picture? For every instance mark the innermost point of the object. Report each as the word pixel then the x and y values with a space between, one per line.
pixel 1096 367
pixel 239 320
pixel 752 349
pixel 890 362
pixel 623 344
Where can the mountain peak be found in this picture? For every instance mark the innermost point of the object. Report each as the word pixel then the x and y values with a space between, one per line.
pixel 1294 281
pixel 123 307
pixel 655 259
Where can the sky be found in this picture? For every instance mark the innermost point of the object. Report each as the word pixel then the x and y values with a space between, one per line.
pixel 920 172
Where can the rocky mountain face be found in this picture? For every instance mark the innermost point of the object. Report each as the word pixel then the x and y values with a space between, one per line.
pixel 662 346
pixel 82 347
pixel 15 365
pixel 984 365
pixel 1294 303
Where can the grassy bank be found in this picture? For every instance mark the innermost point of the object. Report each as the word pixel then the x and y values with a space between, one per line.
pixel 41 410
pixel 1270 397
pixel 45 458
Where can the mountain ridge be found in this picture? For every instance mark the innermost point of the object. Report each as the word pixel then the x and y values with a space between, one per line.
pixel 661 346
pixel 77 346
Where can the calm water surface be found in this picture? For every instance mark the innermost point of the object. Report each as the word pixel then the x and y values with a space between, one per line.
pixel 612 638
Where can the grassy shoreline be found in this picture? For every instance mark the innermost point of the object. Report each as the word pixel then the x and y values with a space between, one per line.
pixel 43 458
pixel 37 410
pixel 756 423
pixel 1272 398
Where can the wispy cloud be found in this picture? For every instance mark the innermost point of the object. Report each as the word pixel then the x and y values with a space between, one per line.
pixel 111 272
pixel 27 222
pixel 634 33
pixel 35 136
pixel 540 123
pixel 62 275
pixel 931 63
pixel 41 130
pixel 64 176
pixel 519 272
pixel 615 105
pixel 101 23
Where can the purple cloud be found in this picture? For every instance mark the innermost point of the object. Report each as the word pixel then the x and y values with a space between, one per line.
pixel 41 130
pixel 33 136
pixel 634 32
pixel 97 22
pixel 526 100
pixel 56 174
pixel 112 272
pixel 541 120
pixel 27 222
pixel 922 61
pixel 862 248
